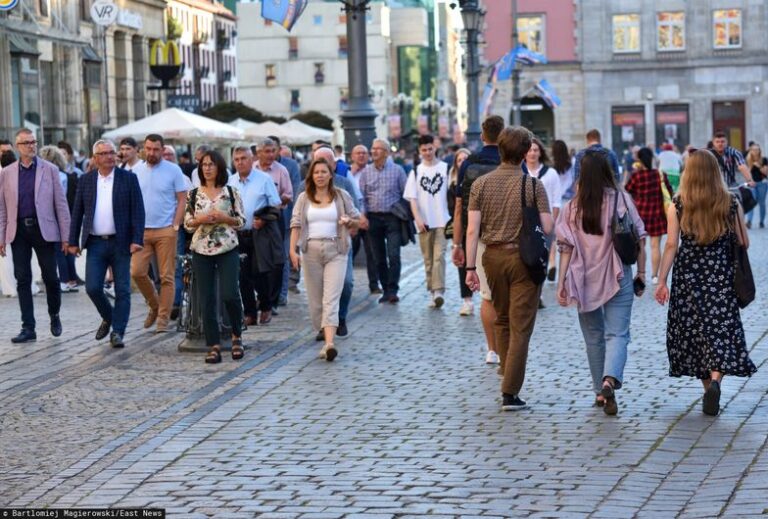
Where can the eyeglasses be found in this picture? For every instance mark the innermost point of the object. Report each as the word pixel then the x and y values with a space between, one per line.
pixel 208 165
pixel 26 143
pixel 105 153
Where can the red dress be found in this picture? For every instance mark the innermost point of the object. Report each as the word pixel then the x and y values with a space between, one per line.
pixel 645 187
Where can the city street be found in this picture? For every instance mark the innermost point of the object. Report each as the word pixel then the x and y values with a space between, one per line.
pixel 405 423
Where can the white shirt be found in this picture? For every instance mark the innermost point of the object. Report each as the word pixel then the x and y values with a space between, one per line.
pixel 103 216
pixel 322 221
pixel 551 181
pixel 669 161
pixel 429 187
pixel 195 178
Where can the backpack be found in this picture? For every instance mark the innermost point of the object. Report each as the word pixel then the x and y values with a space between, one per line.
pixel 478 167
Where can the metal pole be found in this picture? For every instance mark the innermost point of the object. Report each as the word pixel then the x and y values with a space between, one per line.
pixel 515 71
pixel 359 119
pixel 473 126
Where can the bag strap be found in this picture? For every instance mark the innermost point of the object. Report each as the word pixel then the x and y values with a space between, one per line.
pixel 231 201
pixel 616 205
pixel 522 191
pixel 193 200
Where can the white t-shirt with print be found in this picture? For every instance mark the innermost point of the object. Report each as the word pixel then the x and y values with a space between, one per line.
pixel 429 187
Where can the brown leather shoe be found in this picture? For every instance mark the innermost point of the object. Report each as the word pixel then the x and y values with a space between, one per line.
pixel 250 320
pixel 266 317
pixel 151 318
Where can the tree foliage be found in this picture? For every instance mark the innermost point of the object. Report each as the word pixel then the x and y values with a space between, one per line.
pixel 316 119
pixel 230 110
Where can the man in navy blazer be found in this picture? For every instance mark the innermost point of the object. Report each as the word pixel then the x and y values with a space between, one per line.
pixel 110 210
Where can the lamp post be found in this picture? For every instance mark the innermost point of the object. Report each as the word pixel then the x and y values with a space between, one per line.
pixel 473 22
pixel 359 119
pixel 515 71
pixel 430 106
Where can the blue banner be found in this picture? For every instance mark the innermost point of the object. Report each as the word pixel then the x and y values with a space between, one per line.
pixel 284 12
pixel 548 93
pixel 520 54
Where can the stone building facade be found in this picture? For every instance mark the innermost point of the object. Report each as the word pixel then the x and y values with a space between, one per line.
pixel 674 70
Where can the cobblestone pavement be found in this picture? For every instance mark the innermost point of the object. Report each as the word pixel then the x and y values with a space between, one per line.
pixel 405 423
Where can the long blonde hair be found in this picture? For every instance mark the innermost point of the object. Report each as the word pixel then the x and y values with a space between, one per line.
pixel 453 176
pixel 705 198
pixel 754 159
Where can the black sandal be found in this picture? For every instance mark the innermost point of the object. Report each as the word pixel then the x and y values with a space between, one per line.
pixel 237 348
pixel 214 356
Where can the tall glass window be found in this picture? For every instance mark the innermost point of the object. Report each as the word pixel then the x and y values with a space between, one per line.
pixel 727 28
pixel 670 31
pixel 530 32
pixel 626 33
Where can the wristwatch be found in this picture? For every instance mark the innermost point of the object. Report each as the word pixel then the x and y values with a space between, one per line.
pixel 457 246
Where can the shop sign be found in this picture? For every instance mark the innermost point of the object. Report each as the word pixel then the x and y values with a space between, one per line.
pixel 188 103
pixel 104 13
pixel 130 19
pixel 7 5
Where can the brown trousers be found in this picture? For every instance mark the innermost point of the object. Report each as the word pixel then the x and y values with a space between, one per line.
pixel 515 299
pixel 162 244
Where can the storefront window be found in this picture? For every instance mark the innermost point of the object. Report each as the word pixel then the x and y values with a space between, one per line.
pixel 93 88
pixel 25 91
pixel 672 125
pixel 627 127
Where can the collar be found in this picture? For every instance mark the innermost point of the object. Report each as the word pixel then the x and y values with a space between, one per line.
pixel 109 177
pixel 33 165
pixel 248 178
pixel 258 166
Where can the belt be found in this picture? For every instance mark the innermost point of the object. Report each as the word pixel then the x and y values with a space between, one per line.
pixel 28 222
pixel 102 236
pixel 502 246
pixel 323 239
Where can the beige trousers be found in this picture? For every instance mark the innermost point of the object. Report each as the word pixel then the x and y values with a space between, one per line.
pixel 324 271
pixel 432 243
pixel 162 244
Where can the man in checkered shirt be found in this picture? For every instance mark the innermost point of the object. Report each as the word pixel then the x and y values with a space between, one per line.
pixel 730 160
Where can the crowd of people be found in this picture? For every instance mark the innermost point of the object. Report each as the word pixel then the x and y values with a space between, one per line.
pixel 507 210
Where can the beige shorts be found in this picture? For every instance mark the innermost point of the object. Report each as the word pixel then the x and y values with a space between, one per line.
pixel 485 290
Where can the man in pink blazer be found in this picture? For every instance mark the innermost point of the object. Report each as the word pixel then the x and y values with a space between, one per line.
pixel 33 216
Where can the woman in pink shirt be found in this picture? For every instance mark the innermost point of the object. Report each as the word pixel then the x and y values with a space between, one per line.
pixel 595 278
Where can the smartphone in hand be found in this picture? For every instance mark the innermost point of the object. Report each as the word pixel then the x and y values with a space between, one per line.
pixel 639 287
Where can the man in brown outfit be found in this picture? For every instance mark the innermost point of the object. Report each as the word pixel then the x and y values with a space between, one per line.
pixel 495 206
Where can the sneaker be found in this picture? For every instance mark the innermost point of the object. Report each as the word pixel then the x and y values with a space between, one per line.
pixel 110 291
pixel 439 300
pixel 322 353
pixel 342 331
pixel 65 288
pixel 467 308
pixel 432 303
pixel 491 357
pixel 512 403
pixel 551 274
pixel 711 402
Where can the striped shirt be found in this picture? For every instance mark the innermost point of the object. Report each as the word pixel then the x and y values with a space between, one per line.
pixel 729 162
pixel 382 188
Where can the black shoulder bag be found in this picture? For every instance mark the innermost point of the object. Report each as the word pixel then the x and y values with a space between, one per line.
pixel 533 241
pixel 743 282
pixel 625 239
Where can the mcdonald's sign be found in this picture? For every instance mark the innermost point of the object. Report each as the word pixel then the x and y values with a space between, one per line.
pixel 165 62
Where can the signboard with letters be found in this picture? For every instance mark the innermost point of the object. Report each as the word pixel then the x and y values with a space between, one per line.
pixel 188 103
pixel 104 13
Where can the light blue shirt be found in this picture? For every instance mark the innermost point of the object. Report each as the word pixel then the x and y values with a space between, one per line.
pixel 257 191
pixel 159 188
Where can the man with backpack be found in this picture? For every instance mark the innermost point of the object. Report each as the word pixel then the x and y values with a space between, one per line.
pixel 477 165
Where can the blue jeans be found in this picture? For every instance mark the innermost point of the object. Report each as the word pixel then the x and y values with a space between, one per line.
pixel 180 244
pixel 386 240
pixel 760 190
pixel 102 254
pixel 286 244
pixel 346 291
pixel 606 333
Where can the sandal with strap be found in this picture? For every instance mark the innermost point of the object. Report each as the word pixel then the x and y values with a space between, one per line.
pixel 214 356
pixel 237 348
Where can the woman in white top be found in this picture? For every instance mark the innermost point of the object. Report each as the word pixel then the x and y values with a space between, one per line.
pixel 320 227
pixel 536 164
pixel 563 165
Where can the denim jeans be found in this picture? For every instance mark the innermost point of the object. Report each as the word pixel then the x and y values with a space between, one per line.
pixel 606 333
pixel 27 238
pixel 760 190
pixel 386 240
pixel 346 291
pixel 181 241
pixel 102 254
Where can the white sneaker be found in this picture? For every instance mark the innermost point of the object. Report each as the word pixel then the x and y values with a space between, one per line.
pixel 110 291
pixel 64 287
pixel 322 353
pixel 467 308
pixel 432 303
pixel 438 299
pixel 491 358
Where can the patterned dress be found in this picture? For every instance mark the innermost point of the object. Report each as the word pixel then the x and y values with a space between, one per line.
pixel 645 187
pixel 704 330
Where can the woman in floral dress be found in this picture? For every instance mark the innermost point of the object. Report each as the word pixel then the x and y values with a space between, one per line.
pixel 705 337
pixel 214 213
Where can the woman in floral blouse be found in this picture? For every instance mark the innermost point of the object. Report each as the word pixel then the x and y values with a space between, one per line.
pixel 214 213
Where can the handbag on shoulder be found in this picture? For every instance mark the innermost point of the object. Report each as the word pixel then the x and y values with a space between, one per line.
pixel 743 282
pixel 533 241
pixel 625 238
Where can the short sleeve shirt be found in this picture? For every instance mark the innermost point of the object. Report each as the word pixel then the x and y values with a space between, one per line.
pixel 498 197
pixel 159 187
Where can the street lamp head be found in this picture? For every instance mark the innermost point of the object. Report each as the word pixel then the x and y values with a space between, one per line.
pixel 472 16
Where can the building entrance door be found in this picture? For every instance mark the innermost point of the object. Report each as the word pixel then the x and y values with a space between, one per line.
pixel 728 116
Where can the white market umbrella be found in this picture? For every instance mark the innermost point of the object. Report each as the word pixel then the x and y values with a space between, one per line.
pixel 302 133
pixel 266 129
pixel 243 124
pixel 179 126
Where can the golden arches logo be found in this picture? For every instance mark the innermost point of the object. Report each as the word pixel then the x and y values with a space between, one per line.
pixel 163 53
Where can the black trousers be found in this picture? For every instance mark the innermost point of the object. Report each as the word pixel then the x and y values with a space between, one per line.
pixel 247 277
pixel 268 286
pixel 29 238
